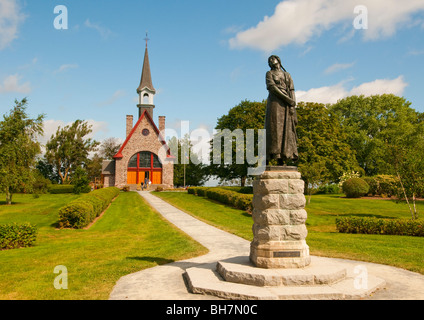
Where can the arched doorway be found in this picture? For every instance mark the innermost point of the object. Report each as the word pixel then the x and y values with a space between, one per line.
pixel 144 165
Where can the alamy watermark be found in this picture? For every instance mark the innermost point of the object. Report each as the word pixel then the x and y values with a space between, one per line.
pixel 222 147
pixel 361 280
pixel 61 281
pixel 60 22
pixel 361 20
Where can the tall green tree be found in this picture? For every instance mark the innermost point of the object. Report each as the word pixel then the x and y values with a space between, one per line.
pixel 246 115
pixel 93 166
pixel 406 157
pixel 324 154
pixel 47 170
pixel 69 148
pixel 109 147
pixel 18 149
pixel 372 124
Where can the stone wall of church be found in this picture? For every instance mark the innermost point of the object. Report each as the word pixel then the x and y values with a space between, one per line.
pixel 139 142
pixel 108 181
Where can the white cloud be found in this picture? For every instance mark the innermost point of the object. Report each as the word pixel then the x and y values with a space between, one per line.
pixel 415 53
pixel 50 127
pixel 65 67
pixel 381 86
pixel 116 95
pixel 105 33
pixel 328 94
pixel 99 131
pixel 298 21
pixel 11 84
pixel 10 20
pixel 338 67
pixel 332 94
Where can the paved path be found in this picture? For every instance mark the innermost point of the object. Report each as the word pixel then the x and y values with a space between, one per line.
pixel 166 282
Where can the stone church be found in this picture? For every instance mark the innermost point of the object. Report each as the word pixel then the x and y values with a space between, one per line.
pixel 144 156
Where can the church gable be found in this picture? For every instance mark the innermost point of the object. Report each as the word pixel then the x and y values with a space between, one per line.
pixel 144 136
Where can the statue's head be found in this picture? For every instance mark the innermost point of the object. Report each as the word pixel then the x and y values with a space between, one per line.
pixel 271 58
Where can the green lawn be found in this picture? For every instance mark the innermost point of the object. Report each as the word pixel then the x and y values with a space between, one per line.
pixel 323 239
pixel 129 237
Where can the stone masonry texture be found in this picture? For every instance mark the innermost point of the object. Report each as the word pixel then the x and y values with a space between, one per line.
pixel 279 218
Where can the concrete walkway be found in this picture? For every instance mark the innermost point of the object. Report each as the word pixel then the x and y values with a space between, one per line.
pixel 166 282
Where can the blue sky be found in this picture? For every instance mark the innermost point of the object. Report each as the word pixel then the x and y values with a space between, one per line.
pixel 205 56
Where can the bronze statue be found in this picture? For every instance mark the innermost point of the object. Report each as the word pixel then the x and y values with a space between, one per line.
pixel 281 118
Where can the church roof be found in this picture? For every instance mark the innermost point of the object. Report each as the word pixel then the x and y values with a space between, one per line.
pixel 146 77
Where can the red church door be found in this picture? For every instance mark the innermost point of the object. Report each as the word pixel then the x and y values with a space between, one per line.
pixel 144 165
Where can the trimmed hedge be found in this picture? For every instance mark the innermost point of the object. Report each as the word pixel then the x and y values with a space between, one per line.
pixel 82 211
pixel 224 195
pixel 370 225
pixel 17 236
pixel 60 188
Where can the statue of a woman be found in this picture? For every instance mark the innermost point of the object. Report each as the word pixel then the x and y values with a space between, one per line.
pixel 281 118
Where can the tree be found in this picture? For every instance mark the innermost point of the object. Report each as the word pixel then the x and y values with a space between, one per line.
pixel 80 181
pixel 189 171
pixel 246 115
pixel 68 148
pixel 18 149
pixel 109 147
pixel 47 170
pixel 324 154
pixel 405 154
pixel 374 123
pixel 93 166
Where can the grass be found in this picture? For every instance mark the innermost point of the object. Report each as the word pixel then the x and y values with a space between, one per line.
pixel 129 237
pixel 323 238
pixel 219 215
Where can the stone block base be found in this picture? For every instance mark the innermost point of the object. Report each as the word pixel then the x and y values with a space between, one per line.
pixel 237 279
pixel 280 254
pixel 279 217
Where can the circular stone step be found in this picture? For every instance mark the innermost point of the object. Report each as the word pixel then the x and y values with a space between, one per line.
pixel 241 270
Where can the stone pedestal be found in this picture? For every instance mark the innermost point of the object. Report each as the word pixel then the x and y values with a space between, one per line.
pixel 279 217
pixel 279 265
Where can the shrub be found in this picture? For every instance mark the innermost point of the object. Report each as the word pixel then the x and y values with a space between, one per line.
pixel 80 181
pixel 60 188
pixel 76 215
pixel 80 212
pixel 373 186
pixel 226 195
pixel 355 187
pixel 328 189
pixel 245 190
pixel 17 236
pixel 370 225
pixel 40 184
pixel 201 191
pixel 386 185
pixel 125 188
pixel 383 185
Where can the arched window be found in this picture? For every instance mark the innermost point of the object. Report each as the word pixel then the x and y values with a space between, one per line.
pixel 144 166
pixel 146 99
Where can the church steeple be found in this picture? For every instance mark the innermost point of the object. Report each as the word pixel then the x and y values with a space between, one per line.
pixel 145 90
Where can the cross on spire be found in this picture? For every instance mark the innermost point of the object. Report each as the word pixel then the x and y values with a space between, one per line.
pixel 146 39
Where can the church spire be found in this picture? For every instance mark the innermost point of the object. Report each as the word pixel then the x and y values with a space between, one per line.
pixel 145 90
pixel 146 77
